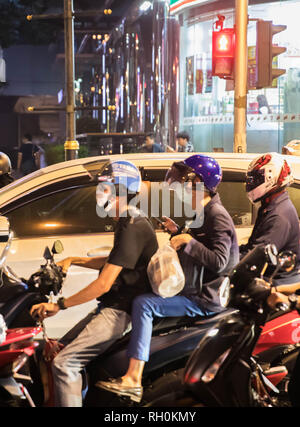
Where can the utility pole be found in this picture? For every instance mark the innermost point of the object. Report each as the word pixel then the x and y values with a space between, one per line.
pixel 241 70
pixel 71 145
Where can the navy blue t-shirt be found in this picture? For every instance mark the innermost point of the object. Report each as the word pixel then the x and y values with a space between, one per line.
pixel 134 244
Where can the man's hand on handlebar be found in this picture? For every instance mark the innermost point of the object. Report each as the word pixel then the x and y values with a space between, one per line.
pixel 276 299
pixel 65 264
pixel 43 310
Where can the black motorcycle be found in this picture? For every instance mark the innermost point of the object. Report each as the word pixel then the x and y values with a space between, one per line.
pixel 172 343
pixel 222 371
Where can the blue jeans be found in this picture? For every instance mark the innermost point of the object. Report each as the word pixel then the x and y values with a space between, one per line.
pixel 145 307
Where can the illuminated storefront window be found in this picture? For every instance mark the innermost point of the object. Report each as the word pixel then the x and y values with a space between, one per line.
pixel 207 103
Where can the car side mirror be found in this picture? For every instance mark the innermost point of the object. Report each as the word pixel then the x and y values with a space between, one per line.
pixel 6 236
pixel 4 229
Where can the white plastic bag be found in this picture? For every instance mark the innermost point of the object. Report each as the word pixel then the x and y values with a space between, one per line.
pixel 165 272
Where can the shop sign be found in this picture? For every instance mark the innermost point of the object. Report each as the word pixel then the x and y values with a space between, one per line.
pixel 252 119
pixel 177 6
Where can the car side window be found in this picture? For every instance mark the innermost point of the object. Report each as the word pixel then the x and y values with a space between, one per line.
pixel 231 189
pixel 235 200
pixel 161 202
pixel 72 211
pixel 294 192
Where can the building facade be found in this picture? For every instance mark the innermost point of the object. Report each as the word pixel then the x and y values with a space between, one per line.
pixel 206 103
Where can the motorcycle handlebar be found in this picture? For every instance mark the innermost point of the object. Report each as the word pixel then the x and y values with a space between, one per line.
pixel 280 306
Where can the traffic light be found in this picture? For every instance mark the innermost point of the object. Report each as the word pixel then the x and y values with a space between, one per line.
pixel 223 48
pixel 266 51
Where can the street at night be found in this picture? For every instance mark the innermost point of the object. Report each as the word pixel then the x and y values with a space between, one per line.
pixel 149 206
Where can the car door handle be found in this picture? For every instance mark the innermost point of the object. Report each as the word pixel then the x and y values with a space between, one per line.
pixel 102 251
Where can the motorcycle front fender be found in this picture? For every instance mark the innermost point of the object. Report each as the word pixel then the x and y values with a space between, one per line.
pixel 217 371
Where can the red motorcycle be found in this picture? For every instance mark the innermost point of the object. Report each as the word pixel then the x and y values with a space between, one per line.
pixel 15 350
pixel 278 347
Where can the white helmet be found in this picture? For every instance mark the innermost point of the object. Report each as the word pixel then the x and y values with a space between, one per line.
pixel 266 175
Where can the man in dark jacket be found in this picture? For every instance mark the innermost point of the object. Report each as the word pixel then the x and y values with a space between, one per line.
pixel 277 221
pixel 208 251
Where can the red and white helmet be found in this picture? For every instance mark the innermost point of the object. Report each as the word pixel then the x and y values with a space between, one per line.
pixel 266 175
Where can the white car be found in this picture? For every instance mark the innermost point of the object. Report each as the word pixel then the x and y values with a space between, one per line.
pixel 59 202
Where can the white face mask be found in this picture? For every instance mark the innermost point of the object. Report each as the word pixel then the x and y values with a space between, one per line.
pixel 184 192
pixel 103 193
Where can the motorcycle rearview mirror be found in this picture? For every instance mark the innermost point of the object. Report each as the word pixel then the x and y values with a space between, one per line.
pixel 57 247
pixel 47 254
pixel 287 260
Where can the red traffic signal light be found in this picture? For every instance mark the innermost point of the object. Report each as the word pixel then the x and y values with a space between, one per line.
pixel 223 48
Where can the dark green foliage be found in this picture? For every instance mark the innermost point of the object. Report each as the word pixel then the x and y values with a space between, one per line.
pixel 56 153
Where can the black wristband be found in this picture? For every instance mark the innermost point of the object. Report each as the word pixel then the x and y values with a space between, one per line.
pixel 61 303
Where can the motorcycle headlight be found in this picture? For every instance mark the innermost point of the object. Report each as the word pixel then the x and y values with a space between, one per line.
pixel 3 329
pixel 213 369
pixel 224 292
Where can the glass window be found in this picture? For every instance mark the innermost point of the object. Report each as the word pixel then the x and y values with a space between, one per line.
pixel 294 193
pixel 232 193
pixel 73 211
pixel 66 212
pixel 235 200
pixel 207 103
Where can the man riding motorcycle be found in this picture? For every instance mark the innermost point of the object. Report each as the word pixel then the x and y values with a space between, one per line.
pixel 277 221
pixel 206 253
pixel 123 276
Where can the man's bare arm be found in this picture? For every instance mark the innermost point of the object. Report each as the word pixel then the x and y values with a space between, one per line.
pixel 286 289
pixel 97 288
pixel 94 290
pixel 88 262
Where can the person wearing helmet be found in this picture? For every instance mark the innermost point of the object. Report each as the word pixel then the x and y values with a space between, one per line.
pixel 123 276
pixel 207 252
pixel 277 221
pixel 5 170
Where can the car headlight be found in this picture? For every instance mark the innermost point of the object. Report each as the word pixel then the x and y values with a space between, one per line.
pixel 213 369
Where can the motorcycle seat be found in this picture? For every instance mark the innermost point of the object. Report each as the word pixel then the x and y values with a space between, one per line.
pixel 166 323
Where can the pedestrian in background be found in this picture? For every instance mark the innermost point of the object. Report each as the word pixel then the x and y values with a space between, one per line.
pixel 150 145
pixel 28 156
pixel 183 143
